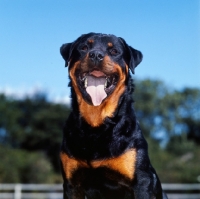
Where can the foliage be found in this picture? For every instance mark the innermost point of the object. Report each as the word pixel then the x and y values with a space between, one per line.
pixel 31 134
pixel 33 125
pixel 178 162
pixel 21 166
pixel 164 113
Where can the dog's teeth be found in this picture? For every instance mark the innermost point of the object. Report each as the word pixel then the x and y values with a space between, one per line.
pixel 85 82
pixel 105 85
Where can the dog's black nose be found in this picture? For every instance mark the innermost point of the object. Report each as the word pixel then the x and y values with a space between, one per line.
pixel 96 55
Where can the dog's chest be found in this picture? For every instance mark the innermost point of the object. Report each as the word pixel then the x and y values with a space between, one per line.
pixel 121 168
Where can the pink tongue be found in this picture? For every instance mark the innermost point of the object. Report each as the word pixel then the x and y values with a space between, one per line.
pixel 95 88
pixel 97 73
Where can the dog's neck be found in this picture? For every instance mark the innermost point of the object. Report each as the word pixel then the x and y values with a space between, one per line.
pixel 111 131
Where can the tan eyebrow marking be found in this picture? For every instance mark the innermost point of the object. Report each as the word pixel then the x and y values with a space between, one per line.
pixel 91 41
pixel 110 44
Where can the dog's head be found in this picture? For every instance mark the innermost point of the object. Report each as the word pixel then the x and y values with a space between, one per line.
pixel 98 64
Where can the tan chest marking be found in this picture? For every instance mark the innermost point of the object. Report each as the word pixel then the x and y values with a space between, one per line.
pixel 124 164
pixel 70 164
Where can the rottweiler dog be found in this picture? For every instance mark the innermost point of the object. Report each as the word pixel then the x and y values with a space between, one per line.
pixel 104 154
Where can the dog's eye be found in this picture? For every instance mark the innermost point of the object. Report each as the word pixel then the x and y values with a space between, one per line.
pixel 114 51
pixel 84 48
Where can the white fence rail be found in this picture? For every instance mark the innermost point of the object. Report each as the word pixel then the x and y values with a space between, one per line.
pixel 31 191
pixel 182 191
pixel 54 191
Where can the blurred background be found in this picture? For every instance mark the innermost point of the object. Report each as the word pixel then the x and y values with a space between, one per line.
pixel 34 93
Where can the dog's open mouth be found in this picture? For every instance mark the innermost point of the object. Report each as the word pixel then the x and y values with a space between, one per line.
pixel 98 85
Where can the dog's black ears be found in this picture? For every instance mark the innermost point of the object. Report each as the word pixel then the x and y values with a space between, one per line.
pixel 134 57
pixel 66 51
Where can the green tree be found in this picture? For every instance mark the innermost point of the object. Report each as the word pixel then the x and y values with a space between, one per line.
pixel 33 124
pixel 10 130
pixel 165 112
pixel 18 166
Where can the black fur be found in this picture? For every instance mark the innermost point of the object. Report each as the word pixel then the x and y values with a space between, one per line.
pixel 112 138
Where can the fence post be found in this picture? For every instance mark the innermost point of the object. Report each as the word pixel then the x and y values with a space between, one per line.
pixel 18 193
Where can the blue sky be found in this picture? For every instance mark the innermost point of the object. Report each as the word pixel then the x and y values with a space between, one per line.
pixel 32 31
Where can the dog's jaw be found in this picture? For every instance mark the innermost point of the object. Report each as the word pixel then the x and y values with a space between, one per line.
pixel 95 115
